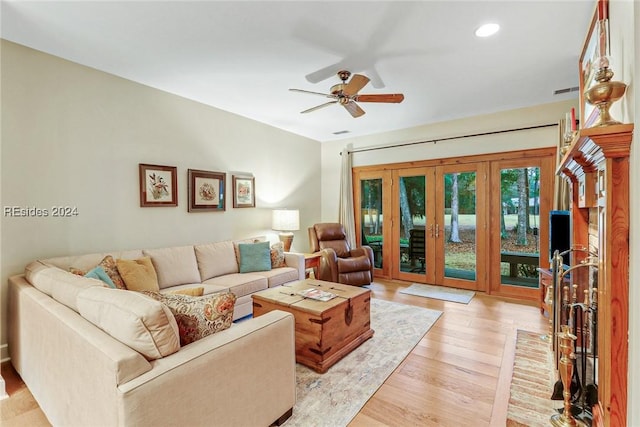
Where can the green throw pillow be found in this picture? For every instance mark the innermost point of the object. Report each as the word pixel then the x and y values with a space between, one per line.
pixel 254 257
pixel 100 274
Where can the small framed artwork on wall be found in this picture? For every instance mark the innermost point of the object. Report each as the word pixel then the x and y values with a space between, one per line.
pixel 244 191
pixel 206 191
pixel 158 185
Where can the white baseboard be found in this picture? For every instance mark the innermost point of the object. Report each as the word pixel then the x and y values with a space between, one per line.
pixel 3 390
pixel 4 357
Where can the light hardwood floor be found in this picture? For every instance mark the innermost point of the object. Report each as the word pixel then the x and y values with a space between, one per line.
pixel 459 374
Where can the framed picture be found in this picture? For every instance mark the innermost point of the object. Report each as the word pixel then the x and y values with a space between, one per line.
pixel 206 191
pixel 595 45
pixel 244 192
pixel 158 185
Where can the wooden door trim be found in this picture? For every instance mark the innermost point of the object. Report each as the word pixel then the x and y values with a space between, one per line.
pixel 476 158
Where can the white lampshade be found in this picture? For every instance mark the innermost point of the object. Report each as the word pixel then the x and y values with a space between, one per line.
pixel 286 220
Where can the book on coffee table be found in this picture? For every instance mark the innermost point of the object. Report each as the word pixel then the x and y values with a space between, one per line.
pixel 316 294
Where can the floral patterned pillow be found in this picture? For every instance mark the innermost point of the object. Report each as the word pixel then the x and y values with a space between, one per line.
pixel 109 266
pixel 277 255
pixel 198 317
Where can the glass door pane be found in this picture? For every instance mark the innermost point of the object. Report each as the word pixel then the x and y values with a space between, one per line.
pixel 520 226
pixel 371 217
pixel 459 225
pixel 412 242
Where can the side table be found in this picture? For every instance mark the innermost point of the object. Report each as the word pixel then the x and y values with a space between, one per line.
pixel 311 261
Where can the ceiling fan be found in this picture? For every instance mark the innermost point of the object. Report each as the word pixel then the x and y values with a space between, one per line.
pixel 346 94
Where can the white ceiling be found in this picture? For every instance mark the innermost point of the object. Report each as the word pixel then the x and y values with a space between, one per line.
pixel 244 56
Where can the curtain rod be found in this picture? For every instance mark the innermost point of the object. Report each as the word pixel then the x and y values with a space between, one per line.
pixel 495 132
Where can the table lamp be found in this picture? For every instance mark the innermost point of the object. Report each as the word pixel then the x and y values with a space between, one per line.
pixel 286 221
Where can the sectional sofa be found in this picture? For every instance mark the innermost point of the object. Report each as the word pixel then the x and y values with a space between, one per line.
pixel 97 356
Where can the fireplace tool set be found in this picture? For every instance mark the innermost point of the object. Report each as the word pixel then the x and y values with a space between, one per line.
pixel 577 384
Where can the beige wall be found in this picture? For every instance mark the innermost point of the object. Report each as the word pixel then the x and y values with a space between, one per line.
pixel 73 136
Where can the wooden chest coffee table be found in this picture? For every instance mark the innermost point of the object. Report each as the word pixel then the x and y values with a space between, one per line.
pixel 326 331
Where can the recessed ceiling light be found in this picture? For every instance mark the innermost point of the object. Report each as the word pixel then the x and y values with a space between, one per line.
pixel 487 30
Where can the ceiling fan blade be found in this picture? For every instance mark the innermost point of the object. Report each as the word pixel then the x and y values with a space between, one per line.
pixel 357 82
pixel 317 107
pixel 393 98
pixel 354 109
pixel 326 95
pixel 324 73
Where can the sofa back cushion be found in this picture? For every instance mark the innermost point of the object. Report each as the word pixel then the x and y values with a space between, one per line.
pixel 132 318
pixel 35 273
pixel 59 284
pixel 174 266
pixel 88 261
pixel 216 259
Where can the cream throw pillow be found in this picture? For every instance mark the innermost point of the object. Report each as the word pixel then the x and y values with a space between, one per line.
pixel 192 292
pixel 143 324
pixel 138 274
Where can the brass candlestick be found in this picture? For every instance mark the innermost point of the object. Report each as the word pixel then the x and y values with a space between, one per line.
pixel 565 419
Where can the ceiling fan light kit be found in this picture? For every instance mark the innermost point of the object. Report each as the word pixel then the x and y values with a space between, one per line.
pixel 346 94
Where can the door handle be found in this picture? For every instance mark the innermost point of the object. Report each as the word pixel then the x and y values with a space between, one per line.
pixel 437 231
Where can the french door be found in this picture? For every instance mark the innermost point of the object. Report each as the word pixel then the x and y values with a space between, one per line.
pixel 439 210
pixel 459 223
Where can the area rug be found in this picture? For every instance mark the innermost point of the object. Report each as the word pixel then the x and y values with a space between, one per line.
pixel 439 292
pixel 530 401
pixel 332 399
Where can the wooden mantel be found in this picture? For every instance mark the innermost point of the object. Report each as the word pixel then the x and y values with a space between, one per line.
pixel 597 166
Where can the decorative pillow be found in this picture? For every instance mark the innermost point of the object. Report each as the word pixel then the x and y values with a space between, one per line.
pixel 99 273
pixel 141 323
pixel 193 292
pixel 110 267
pixel 237 243
pixel 254 257
pixel 277 255
pixel 138 274
pixel 198 317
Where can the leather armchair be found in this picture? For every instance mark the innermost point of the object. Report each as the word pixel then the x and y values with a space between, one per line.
pixel 338 262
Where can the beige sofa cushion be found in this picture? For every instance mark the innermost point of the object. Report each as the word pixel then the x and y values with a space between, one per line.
pixel 174 266
pixel 35 274
pixel 138 274
pixel 132 318
pixel 240 283
pixel 60 285
pixel 216 259
pixel 192 292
